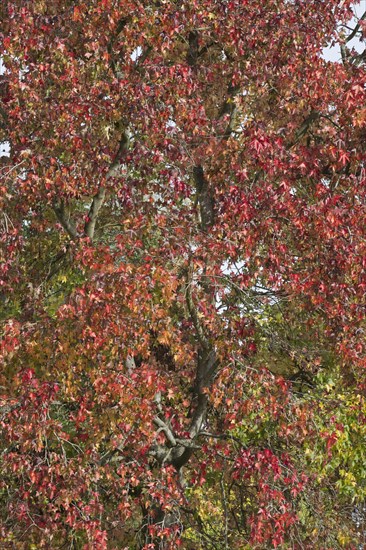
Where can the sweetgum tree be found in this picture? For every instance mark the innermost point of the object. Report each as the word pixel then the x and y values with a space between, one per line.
pixel 182 275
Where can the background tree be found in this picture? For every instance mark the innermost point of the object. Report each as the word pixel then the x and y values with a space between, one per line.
pixel 183 275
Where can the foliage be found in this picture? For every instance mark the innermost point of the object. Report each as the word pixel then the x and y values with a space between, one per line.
pixel 182 275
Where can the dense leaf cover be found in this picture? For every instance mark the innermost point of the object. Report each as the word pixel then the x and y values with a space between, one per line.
pixel 183 275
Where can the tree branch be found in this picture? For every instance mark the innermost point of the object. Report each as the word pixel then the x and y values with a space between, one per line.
pixel 120 26
pixel 194 314
pixel 357 28
pixel 229 108
pixel 65 220
pixel 206 368
pixel 204 198
pixel 4 116
pixel 193 48
pixel 167 431
pixel 96 205
pixel 99 198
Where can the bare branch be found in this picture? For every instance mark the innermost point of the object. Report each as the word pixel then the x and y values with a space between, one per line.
pixel 64 219
pixel 4 116
pixel 93 212
pixel 357 28
pixel 194 314
pixel 229 107
pixel 193 48
pixel 204 197
pixel 120 26
pixel 167 431
pixel 99 198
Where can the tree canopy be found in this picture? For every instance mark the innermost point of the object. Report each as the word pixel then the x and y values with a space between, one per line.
pixel 183 275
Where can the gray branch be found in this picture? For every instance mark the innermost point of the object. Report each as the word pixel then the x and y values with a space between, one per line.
pixel 204 198
pixel 357 27
pixel 96 205
pixel 64 219
pixel 99 198
pixel 202 338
